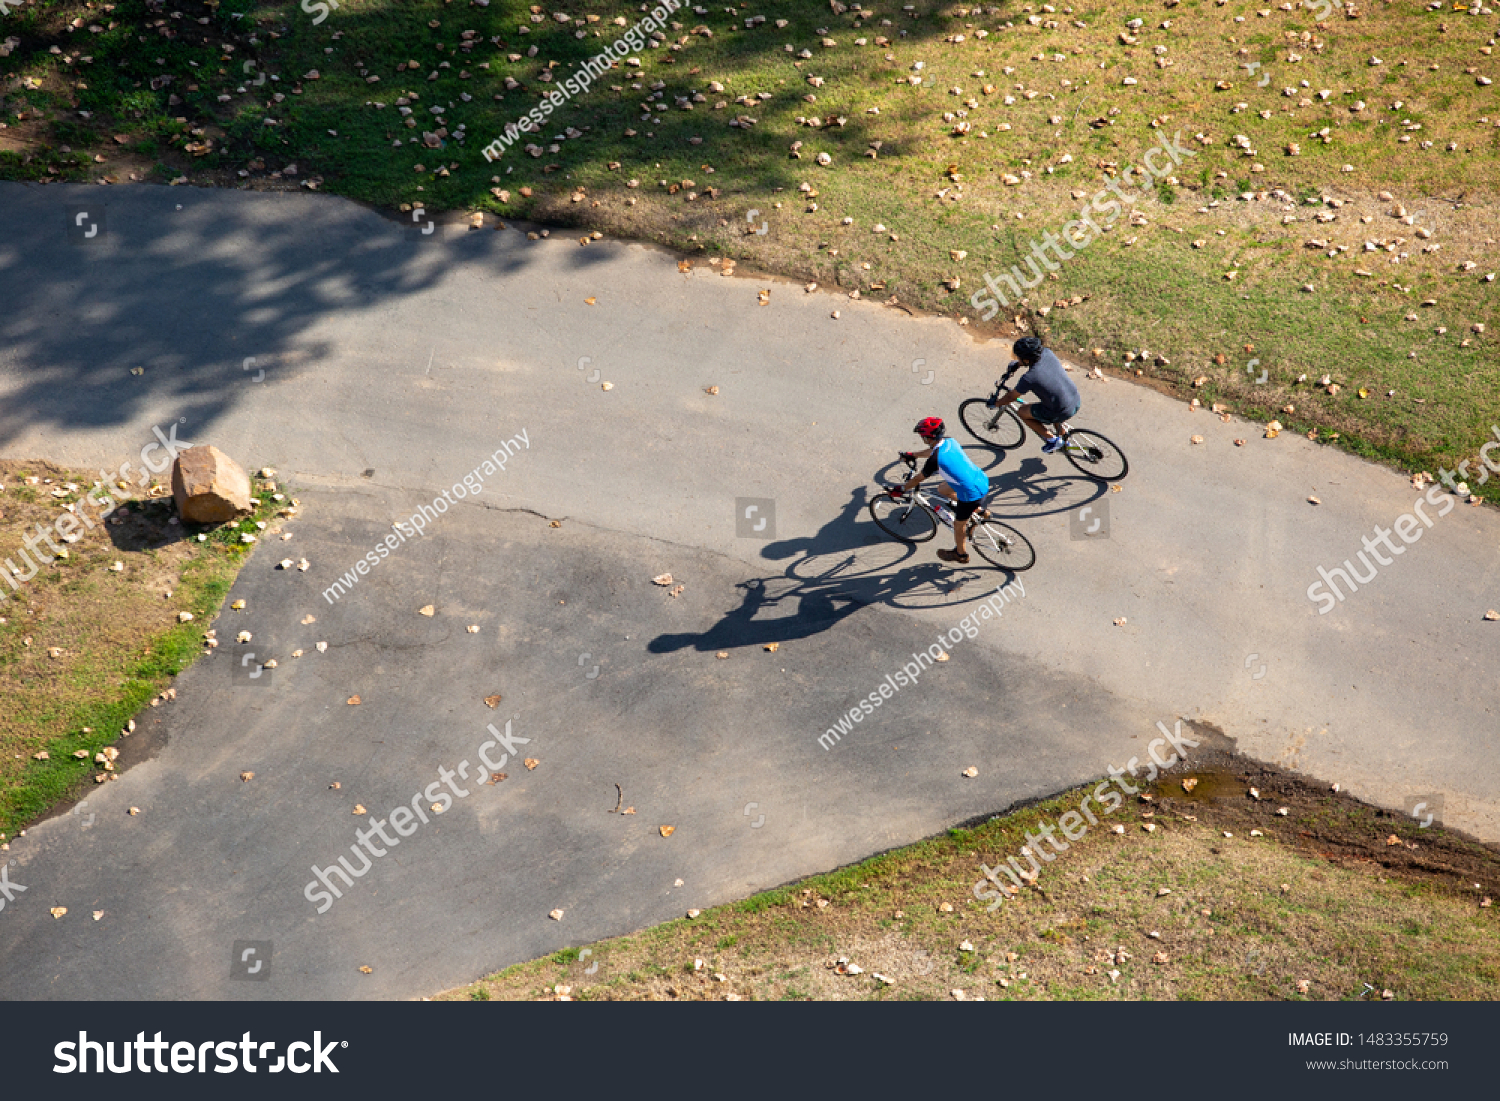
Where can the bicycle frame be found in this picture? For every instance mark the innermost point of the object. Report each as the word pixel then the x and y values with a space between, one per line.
pixel 933 502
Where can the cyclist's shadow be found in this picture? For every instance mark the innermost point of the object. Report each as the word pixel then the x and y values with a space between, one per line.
pixel 847 565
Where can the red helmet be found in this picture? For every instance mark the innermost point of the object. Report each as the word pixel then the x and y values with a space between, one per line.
pixel 930 428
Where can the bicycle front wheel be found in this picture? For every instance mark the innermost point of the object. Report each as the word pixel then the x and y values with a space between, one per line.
pixel 1094 455
pixel 999 428
pixel 1001 545
pixel 904 520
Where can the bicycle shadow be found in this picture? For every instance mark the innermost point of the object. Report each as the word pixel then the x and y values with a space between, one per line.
pixel 847 565
pixel 1029 491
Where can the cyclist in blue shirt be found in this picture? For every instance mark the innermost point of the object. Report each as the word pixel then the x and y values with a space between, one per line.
pixel 963 482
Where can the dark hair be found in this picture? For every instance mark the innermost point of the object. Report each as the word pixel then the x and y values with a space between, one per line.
pixel 1028 349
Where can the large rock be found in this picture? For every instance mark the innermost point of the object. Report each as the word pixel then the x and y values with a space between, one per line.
pixel 209 486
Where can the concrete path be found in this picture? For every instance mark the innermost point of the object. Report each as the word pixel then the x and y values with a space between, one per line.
pixel 395 363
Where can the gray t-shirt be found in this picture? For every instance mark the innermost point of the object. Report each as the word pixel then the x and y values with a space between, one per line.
pixel 1047 379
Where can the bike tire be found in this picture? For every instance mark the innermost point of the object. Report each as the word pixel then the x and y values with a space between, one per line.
pixel 997 428
pixel 1001 545
pixel 904 520
pixel 1100 457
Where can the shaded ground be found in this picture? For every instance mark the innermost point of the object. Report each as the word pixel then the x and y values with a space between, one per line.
pixel 1269 246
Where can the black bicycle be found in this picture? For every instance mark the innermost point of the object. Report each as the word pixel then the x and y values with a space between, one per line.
pixel 1001 427
pixel 914 518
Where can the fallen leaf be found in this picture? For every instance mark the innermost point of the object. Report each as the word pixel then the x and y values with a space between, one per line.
pixel 1393 840
pixel 684 266
pixel 238 605
pixel 590 301
pixel 367 970
pixel 246 777
pixel 1160 957
pixel 1197 439
pixel 359 808
pixel 42 756
pixel 436 808
pixel 722 654
pixel 556 915
pixel 1239 443
pixel 352 701
pixel 971 772
pixel 710 389
pixel 498 777
pixel 59 911
pixel 322 647
pixel 694 913
pixel 772 647
pixel 1120 622
pixel 667 831
pixel 427 610
pixel 763 297
pixel 631 810
pixel 1189 784
pixel 309 619
pixel 1492 615
pixel 531 763
pixel 492 702
pixel 663 580
pixel 98 914
pixel 1314 501
pixel 606 386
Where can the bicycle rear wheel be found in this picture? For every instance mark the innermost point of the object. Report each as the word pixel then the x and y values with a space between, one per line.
pixel 999 428
pixel 1001 545
pixel 1094 455
pixel 904 520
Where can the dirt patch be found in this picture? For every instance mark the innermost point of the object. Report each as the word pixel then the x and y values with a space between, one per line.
pixel 1207 891
pixel 100 610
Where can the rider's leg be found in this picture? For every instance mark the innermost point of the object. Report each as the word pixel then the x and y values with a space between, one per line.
pixel 960 528
pixel 1043 430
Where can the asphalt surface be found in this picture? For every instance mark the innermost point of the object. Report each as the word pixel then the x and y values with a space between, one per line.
pixel 396 362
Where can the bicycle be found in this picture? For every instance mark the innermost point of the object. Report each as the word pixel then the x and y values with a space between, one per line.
pixel 1001 428
pixel 914 517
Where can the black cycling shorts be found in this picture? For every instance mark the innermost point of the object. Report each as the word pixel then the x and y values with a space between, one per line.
pixel 964 509
pixel 1048 414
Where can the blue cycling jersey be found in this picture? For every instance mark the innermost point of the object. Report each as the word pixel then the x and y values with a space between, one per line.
pixel 957 470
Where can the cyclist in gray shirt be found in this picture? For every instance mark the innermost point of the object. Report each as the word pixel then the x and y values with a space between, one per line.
pixel 1057 398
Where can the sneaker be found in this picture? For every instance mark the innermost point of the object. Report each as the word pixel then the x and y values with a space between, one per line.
pixel 953 556
pixel 1054 445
